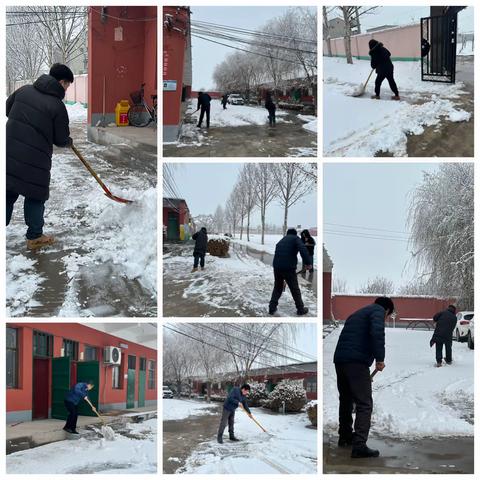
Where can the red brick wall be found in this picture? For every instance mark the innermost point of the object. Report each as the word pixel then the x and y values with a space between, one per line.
pixel 327 295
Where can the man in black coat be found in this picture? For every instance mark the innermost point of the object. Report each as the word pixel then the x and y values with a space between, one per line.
pixel 37 120
pixel 285 270
pixel 224 101
pixel 200 250
pixel 271 107
pixel 380 60
pixel 203 105
pixel 361 342
pixel 237 396
pixel 445 323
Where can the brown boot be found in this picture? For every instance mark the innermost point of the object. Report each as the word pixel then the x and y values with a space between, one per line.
pixel 395 97
pixel 194 269
pixel 375 97
pixel 40 242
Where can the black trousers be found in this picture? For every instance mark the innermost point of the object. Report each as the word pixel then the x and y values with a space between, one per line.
pixel 33 211
pixel 72 415
pixel 354 387
pixel 439 350
pixel 228 418
pixel 381 77
pixel 289 276
pixel 198 257
pixel 203 111
pixel 271 116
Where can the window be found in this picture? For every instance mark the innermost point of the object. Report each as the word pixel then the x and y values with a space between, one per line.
pixel 116 377
pixel 89 353
pixel 70 349
pixel 42 344
pixel 132 362
pixel 151 374
pixel 311 385
pixel 12 357
pixel 143 364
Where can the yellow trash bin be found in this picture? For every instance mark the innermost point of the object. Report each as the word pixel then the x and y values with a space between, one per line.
pixel 121 113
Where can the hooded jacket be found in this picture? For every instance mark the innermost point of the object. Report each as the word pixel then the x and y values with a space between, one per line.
pixel 201 241
pixel 380 57
pixel 37 120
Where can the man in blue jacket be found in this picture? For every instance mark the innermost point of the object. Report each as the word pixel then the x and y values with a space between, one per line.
pixel 72 398
pixel 285 270
pixel 235 397
pixel 361 342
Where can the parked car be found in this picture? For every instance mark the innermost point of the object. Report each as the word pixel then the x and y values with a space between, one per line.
pixel 470 334
pixel 461 330
pixel 235 99
pixel 167 393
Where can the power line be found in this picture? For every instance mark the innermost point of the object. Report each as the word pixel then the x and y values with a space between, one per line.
pixel 365 228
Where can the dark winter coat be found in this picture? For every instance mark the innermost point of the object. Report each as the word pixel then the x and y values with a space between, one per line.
pixel 77 393
pixel 269 105
pixel 445 323
pixel 309 243
pixel 234 398
pixel 286 252
pixel 224 99
pixel 201 241
pixel 204 100
pixel 380 58
pixel 37 120
pixel 362 339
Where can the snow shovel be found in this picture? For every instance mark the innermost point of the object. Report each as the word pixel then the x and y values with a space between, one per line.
pixel 106 430
pixel 360 90
pixel 107 192
pixel 251 416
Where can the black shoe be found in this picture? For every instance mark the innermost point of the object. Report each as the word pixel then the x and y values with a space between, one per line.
pixel 233 438
pixel 68 430
pixel 75 432
pixel 219 439
pixel 364 452
pixel 302 311
pixel 344 442
pixel 271 311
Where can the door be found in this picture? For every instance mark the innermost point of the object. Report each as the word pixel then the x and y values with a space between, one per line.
pixel 141 381
pixel 60 386
pixel 40 388
pixel 438 37
pixel 89 371
pixel 172 226
pixel 131 381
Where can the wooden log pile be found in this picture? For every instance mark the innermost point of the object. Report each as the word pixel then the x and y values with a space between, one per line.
pixel 218 247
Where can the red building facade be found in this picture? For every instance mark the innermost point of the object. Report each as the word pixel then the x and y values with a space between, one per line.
pixel 177 222
pixel 46 359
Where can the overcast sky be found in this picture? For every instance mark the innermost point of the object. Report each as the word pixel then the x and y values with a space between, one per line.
pixel 206 55
pixel 369 196
pixel 206 185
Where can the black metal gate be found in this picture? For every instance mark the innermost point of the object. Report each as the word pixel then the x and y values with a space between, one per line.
pixel 438 37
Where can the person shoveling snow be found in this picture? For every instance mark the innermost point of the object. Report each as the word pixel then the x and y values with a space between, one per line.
pixel 37 120
pixel 238 395
pixel 380 61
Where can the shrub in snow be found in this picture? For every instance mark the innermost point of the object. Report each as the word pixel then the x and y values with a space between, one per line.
pixel 312 412
pixel 257 394
pixel 291 393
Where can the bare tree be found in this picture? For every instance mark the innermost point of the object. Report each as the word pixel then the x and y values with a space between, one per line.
pixel 378 286
pixel 339 285
pixel 219 219
pixel 326 31
pixel 266 189
pixel 247 182
pixel 292 185
pixel 415 287
pixel 441 215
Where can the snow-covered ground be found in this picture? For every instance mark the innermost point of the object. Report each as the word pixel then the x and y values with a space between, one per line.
pixel 123 455
pixel 311 122
pixel 175 409
pixel 271 241
pixel 90 229
pixel 289 447
pixel 412 398
pixel 360 126
pixel 466 50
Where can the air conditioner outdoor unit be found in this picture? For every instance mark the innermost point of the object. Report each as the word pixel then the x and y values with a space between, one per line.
pixel 112 355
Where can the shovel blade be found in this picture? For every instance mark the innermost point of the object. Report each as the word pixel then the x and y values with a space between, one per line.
pixel 117 199
pixel 359 91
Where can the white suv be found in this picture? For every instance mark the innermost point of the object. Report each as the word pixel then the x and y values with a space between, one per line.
pixel 461 329
pixel 470 334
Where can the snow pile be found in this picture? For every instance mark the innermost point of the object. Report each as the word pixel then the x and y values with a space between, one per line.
pixel 412 398
pixel 128 235
pixel 175 409
pixel 257 394
pixel 288 394
pixel 234 115
pixel 291 449
pixel 76 112
pixel 122 455
pixel 311 122
pixel 21 284
pixel 363 127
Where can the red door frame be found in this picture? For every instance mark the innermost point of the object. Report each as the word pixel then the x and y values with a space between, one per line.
pixel 40 387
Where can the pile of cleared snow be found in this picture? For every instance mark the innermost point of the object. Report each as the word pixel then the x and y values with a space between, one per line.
pixel 175 409
pixel 311 122
pixel 412 398
pixel 291 449
pixel 123 455
pixel 363 127
pixel 76 112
